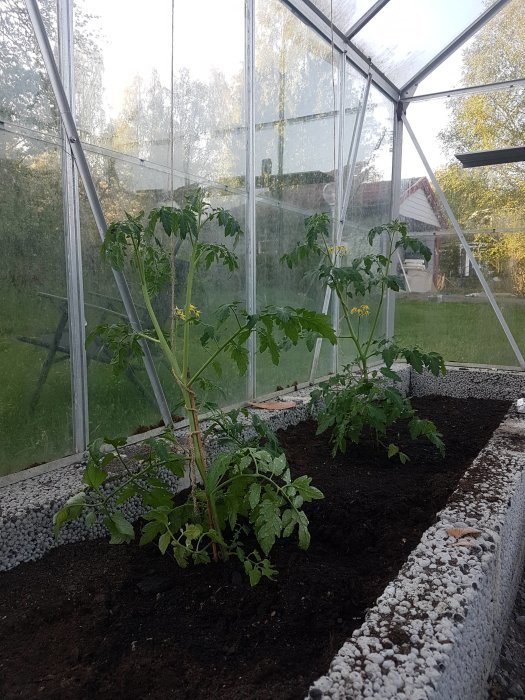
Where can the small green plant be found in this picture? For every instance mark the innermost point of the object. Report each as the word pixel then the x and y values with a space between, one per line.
pixel 364 396
pixel 245 491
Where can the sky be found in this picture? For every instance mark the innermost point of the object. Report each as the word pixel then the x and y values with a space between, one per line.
pixel 135 42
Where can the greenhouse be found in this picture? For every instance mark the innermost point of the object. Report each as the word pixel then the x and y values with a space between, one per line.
pixel 221 219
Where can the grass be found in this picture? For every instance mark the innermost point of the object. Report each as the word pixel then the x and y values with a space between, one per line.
pixel 462 331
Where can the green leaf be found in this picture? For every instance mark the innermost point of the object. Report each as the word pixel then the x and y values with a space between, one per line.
pixel 181 555
pixel 254 495
pixel 253 572
pixel 120 529
pixel 200 556
pixel 390 374
pixel 91 518
pixel 71 510
pixel 94 476
pixel 164 542
pixel 192 532
pixel 268 524
pixel 150 532
pixel 239 355
pixel 304 533
pixel 308 492
pixel 392 450
pixel 289 521
pixel 279 464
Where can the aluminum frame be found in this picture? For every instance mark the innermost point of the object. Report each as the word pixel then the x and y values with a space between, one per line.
pixel 365 19
pixel 311 16
pixel 343 205
pixel 314 17
pixel 408 89
pixel 474 89
pixel 251 234
pixel 464 243
pixel 78 154
pixel 397 162
pixel 339 195
pixel 75 289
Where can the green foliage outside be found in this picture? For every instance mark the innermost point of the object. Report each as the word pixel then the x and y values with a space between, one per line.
pixel 490 200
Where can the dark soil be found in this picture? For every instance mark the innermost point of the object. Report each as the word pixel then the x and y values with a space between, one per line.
pixel 97 621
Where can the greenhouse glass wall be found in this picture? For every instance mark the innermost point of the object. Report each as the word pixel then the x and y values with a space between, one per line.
pixel 278 110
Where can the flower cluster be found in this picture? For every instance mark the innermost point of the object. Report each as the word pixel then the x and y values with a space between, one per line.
pixel 181 315
pixel 362 310
pixel 339 249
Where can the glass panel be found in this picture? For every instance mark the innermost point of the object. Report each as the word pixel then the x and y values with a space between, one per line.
pixel 125 404
pixel 209 120
pixel 430 25
pixel 493 54
pixel 370 198
pixel 26 97
pixel 444 307
pixel 123 77
pixel 345 12
pixel 35 393
pixel 118 404
pixel 295 153
pixel 213 288
pixel 124 96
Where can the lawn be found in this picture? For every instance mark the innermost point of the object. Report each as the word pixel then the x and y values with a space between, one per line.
pixel 461 330
pixel 464 330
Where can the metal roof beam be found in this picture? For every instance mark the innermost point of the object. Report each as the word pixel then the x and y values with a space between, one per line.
pixel 365 19
pixel 457 92
pixel 409 88
pixel 313 17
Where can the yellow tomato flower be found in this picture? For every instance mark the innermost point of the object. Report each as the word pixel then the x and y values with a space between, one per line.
pixel 194 311
pixel 179 313
pixel 362 310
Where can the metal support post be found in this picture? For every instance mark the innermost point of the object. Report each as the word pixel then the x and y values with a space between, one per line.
pixel 352 156
pixel 89 186
pixel 73 250
pixel 466 246
pixel 337 229
pixel 397 156
pixel 251 233
pixel 343 205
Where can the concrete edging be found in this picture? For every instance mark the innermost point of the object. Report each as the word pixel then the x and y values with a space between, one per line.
pixel 436 630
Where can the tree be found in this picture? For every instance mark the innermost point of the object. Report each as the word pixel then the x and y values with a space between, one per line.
pixel 487 201
pixel 26 95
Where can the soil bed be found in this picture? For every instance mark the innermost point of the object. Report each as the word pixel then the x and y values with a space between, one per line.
pixel 92 620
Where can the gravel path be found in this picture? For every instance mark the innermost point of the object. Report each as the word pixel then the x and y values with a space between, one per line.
pixel 508 681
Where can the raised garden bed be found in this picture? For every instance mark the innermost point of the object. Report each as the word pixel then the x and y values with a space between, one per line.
pixel 90 620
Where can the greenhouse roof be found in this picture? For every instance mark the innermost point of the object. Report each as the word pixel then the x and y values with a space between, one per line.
pixel 416 37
